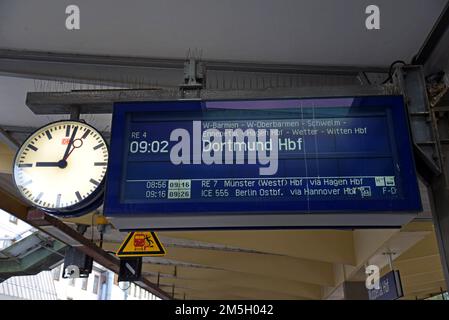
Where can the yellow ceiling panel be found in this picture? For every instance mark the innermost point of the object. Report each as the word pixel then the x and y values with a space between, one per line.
pixel 218 279
pixel 321 245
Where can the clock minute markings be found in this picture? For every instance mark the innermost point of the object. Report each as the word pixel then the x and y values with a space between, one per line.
pixel 58 200
pixel 32 147
pixel 26 183
pixel 25 165
pixel 95 182
pixel 98 146
pixel 39 196
pixel 49 136
pixel 85 134
pixel 78 195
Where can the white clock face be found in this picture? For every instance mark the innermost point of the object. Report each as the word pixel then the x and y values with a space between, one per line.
pixel 61 165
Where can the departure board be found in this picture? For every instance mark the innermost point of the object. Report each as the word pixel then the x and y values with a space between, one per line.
pixel 261 157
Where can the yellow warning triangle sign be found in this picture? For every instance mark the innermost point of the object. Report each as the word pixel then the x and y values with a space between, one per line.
pixel 141 244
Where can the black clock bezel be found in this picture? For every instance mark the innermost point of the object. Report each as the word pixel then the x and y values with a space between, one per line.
pixel 90 203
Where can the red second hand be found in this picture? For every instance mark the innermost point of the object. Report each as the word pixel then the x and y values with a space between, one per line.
pixel 73 148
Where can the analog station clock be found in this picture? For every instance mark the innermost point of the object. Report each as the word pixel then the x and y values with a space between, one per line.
pixel 61 168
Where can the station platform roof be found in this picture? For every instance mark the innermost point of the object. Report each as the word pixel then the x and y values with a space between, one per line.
pixel 250 45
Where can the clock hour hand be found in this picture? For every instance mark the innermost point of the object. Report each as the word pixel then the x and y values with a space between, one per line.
pixel 60 164
pixel 47 164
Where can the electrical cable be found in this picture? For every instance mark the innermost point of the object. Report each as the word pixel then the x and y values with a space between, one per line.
pixel 390 70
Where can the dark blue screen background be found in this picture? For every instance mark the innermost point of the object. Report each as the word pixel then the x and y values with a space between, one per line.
pixel 384 150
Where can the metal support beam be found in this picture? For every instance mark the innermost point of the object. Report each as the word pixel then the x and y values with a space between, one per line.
pixel 434 37
pixel 64 233
pixel 425 125
pixel 13 205
pixel 101 101
pixel 439 195
pixel 410 80
pixel 6 138
pixel 194 79
pixel 157 63
pixel 70 70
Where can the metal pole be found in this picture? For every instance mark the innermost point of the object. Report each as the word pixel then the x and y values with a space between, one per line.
pixel 440 211
pixel 390 260
pixel 74 113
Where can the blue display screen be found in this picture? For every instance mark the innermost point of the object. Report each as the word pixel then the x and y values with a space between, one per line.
pixel 261 156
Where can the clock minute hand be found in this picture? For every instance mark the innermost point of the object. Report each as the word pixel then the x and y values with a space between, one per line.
pixel 66 154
